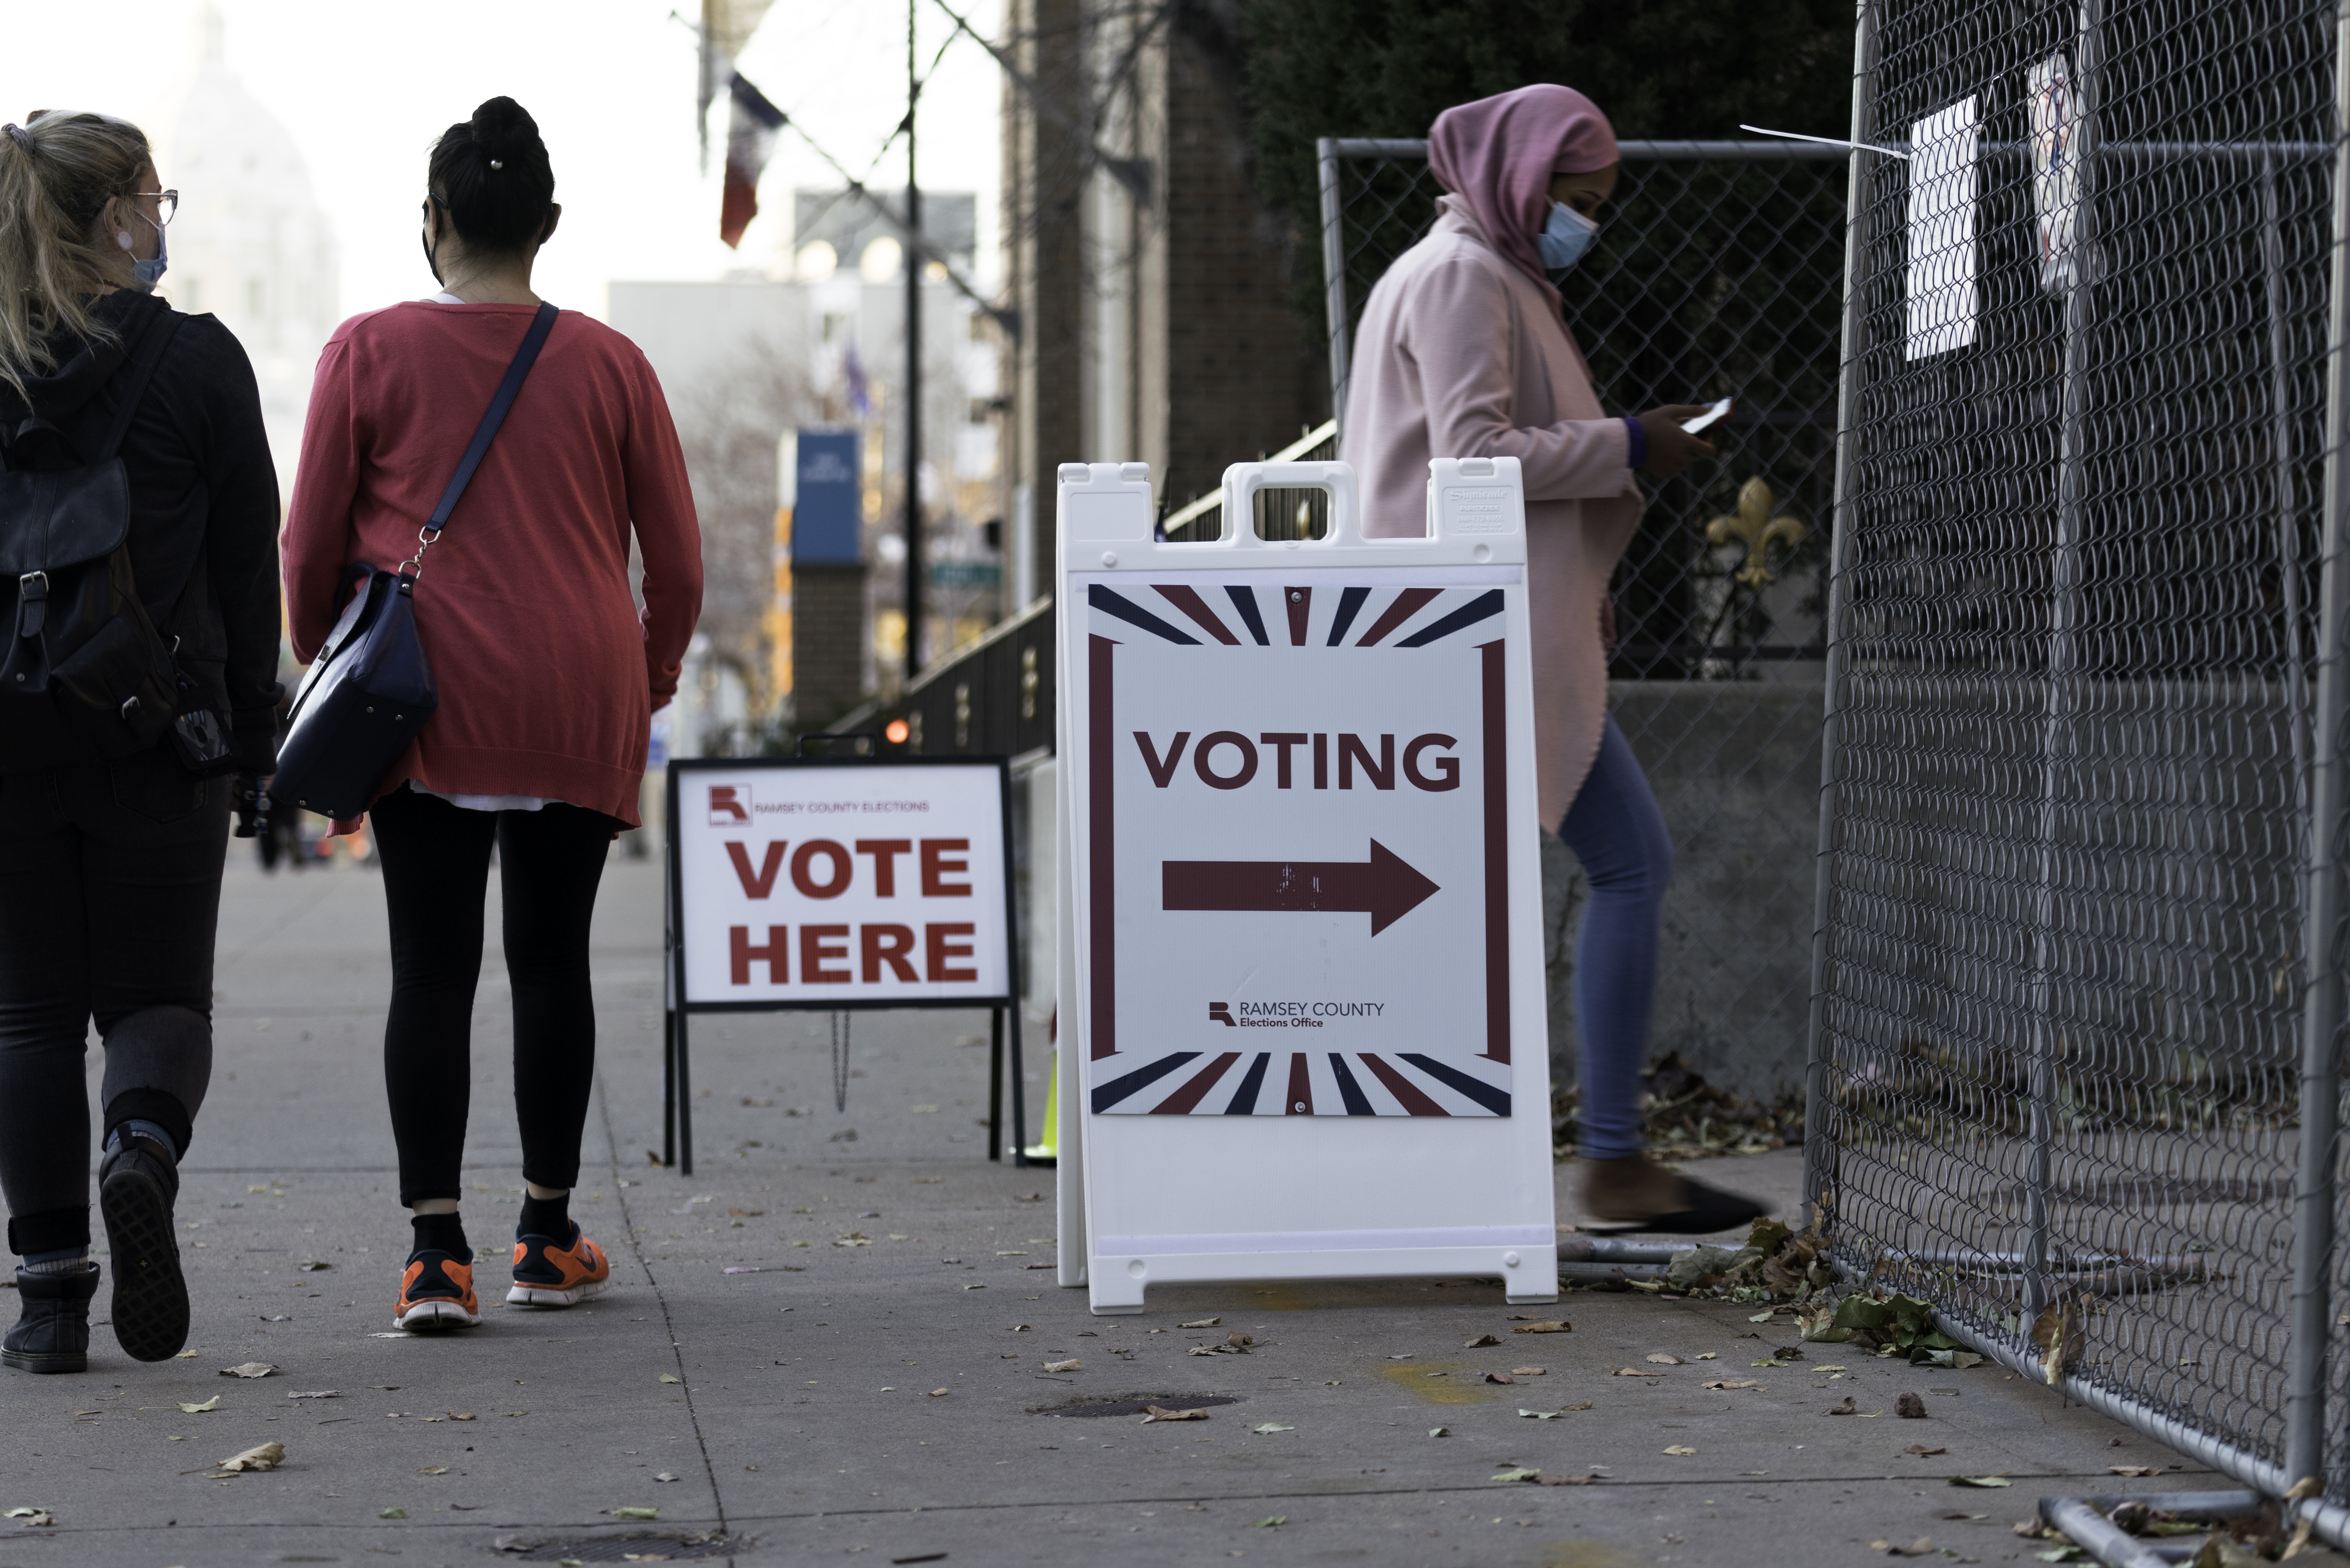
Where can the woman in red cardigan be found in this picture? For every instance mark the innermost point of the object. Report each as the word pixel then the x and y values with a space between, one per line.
pixel 548 676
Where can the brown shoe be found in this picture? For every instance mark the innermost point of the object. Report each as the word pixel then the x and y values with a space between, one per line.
pixel 1636 1192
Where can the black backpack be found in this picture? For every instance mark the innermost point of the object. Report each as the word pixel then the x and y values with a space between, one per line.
pixel 82 669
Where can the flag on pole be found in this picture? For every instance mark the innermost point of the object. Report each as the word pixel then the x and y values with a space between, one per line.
pixel 751 125
pixel 726 26
pixel 860 398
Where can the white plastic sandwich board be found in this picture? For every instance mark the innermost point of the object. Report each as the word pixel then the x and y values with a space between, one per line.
pixel 1303 1023
pixel 834 884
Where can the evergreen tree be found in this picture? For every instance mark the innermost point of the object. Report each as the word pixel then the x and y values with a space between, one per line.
pixel 1667 69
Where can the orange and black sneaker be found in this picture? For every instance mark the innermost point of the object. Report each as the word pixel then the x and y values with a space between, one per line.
pixel 551 1274
pixel 436 1294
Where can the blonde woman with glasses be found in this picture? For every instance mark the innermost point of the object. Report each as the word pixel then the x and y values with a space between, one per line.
pixel 139 628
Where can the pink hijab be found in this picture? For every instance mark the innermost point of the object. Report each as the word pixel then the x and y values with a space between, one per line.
pixel 1498 155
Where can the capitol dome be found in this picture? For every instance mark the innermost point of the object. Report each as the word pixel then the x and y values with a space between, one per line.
pixel 251 244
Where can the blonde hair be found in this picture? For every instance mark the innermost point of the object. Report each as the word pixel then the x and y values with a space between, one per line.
pixel 57 173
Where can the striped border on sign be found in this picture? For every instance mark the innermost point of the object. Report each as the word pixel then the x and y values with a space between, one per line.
pixel 1366 1083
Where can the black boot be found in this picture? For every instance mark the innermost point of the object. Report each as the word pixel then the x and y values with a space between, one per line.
pixel 136 1188
pixel 53 1336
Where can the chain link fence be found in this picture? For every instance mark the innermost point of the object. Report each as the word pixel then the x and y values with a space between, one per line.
pixel 2079 978
pixel 1718 273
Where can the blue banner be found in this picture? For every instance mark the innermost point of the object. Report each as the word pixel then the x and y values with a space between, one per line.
pixel 825 515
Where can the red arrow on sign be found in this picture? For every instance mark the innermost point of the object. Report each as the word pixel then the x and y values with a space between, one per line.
pixel 1384 887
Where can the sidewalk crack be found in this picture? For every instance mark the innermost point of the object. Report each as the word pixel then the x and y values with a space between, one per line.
pixel 668 1321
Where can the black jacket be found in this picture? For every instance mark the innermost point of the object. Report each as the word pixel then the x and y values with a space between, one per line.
pixel 203 503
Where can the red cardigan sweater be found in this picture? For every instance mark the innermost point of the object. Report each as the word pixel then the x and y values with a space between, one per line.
pixel 549 675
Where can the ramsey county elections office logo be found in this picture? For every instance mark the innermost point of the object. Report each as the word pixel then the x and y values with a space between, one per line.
pixel 727 808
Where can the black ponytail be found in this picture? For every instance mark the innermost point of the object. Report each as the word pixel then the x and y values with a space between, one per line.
pixel 491 176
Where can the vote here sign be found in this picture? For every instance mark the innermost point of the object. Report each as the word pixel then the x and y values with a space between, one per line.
pixel 833 884
pixel 1299 825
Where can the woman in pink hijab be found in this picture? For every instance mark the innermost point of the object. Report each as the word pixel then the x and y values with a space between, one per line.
pixel 1464 352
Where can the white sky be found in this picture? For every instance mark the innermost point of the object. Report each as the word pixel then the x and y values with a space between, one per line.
pixel 365 86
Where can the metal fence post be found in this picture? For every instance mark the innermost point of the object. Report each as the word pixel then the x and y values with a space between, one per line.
pixel 2064 614
pixel 1818 1153
pixel 1333 275
pixel 2312 1314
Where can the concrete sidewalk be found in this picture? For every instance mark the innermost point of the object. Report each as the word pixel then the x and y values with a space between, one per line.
pixel 872 1385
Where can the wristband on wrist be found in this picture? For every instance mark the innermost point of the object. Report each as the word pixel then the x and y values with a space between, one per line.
pixel 1637 452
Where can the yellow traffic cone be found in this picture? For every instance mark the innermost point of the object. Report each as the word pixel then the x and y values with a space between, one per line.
pixel 1044 1150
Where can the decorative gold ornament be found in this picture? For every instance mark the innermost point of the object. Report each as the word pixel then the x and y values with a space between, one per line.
pixel 1755 527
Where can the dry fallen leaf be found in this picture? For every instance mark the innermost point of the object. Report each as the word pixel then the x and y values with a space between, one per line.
pixel 1846 1408
pixel 1479 1342
pixel 1710 1355
pixel 189 1409
pixel 1540 1415
pixel 1072 1364
pixel 249 1369
pixel 1570 1481
pixel 1270 1427
pixel 665 1476
pixel 1552 1326
pixel 1202 1323
pixel 1156 1413
pixel 267 1456
pixel 634 1512
pixel 1733 1383
pixel 1921 1450
pixel 1499 1377
pixel 433 1470
pixel 1527 1371
pixel 2056 1336
pixel 938 1393
pixel 670 1378
pixel 1981 1480
pixel 1584 1405
pixel 1636 1372
pixel 2133 1470
pixel 1439 1431
pixel 316 1394
pixel 1662 1358
pixel 1681 1449
pixel 40 1516
pixel 1519 1474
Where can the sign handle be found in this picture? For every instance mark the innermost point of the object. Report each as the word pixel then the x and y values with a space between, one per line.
pixel 995 1083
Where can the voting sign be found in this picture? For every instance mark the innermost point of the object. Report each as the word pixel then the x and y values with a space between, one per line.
pixel 833 883
pixel 1306 889
pixel 1302 994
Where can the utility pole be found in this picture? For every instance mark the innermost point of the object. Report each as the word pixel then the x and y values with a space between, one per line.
pixel 913 375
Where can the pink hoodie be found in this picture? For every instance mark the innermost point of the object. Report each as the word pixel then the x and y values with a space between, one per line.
pixel 1498 155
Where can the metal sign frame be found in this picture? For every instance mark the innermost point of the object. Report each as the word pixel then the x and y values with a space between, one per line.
pixel 677 1076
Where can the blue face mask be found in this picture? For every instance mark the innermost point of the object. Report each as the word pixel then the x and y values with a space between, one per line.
pixel 151 272
pixel 1565 238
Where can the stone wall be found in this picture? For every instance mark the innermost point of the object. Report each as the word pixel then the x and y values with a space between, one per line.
pixel 1736 769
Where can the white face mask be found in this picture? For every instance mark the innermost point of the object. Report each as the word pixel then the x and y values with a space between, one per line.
pixel 1565 238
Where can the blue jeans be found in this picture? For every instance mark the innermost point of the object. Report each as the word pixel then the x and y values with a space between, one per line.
pixel 1617 832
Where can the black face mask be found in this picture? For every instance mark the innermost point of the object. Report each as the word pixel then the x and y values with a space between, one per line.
pixel 429 260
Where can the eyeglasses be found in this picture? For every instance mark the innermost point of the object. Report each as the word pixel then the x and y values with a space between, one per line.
pixel 167 204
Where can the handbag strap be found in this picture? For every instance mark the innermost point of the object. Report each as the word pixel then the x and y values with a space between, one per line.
pixel 525 357
pixel 151 343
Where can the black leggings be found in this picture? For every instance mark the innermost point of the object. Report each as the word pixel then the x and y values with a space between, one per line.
pixel 436 871
pixel 109 893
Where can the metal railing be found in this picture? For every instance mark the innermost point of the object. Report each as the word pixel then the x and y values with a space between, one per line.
pixel 2076 1030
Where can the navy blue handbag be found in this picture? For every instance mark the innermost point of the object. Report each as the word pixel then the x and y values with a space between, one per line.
pixel 371 690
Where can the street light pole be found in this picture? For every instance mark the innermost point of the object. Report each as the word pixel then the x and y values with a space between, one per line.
pixel 914 375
